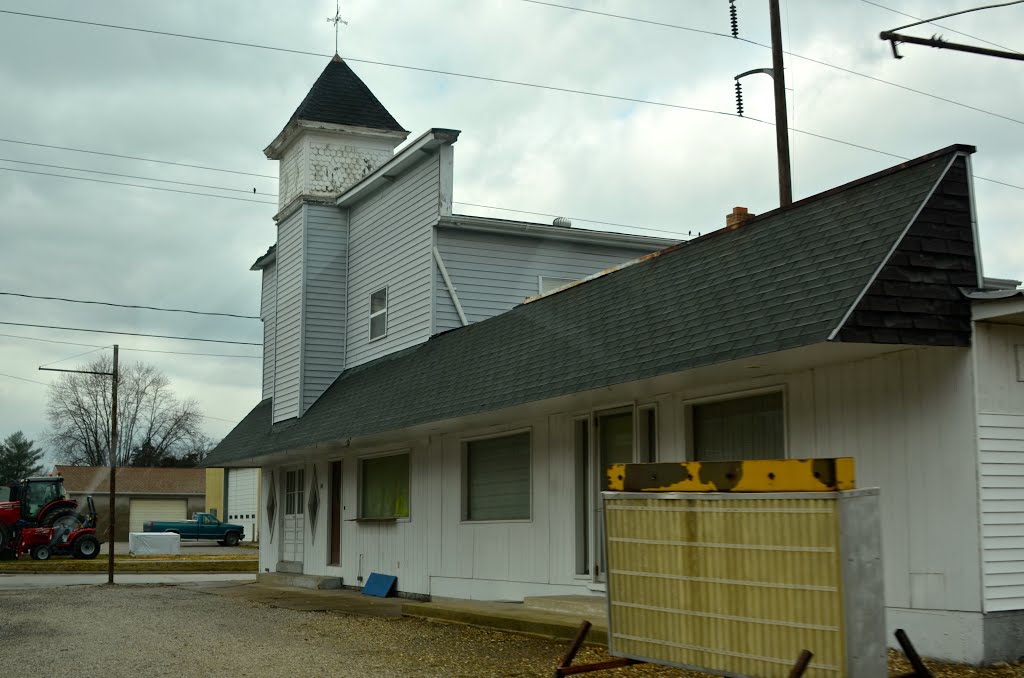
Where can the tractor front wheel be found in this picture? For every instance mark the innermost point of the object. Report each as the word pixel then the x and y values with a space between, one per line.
pixel 65 517
pixel 41 552
pixel 86 547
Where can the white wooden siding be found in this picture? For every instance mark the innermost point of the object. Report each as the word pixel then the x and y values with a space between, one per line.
pixel 288 342
pixel 326 260
pixel 390 245
pixel 906 417
pixel 494 273
pixel 268 313
pixel 1001 449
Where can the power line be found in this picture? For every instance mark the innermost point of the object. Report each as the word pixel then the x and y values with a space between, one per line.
pixel 126 157
pixel 945 28
pixel 31 381
pixel 474 77
pixel 137 350
pixel 131 334
pixel 589 221
pixel 77 355
pixel 958 13
pixel 121 183
pixel 147 308
pixel 792 54
pixel 43 383
pixel 134 176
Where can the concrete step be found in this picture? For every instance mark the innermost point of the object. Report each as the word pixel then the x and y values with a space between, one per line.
pixel 592 608
pixel 302 581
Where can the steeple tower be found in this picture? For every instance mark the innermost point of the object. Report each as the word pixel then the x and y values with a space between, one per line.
pixel 337 135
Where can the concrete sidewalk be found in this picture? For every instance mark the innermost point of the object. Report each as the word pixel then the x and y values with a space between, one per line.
pixel 514 617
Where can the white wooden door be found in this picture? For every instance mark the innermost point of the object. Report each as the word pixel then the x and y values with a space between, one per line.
pixel 242 500
pixel 294 519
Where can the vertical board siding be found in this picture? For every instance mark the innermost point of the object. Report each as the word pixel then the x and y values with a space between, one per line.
pixel 389 245
pixel 326 259
pixel 907 419
pixel 287 363
pixel 1001 449
pixel 268 313
pixel 493 273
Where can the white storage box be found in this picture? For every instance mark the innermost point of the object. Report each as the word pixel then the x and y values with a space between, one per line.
pixel 154 544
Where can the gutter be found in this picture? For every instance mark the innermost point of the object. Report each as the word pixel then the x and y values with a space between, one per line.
pixel 569 234
pixel 450 286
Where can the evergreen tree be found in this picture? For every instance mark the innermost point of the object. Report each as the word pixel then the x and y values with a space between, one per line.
pixel 19 458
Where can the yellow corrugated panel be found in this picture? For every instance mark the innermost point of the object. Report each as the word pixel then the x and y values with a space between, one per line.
pixel 754 475
pixel 739 586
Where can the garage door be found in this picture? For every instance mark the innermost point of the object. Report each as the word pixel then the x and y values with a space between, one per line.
pixel 243 500
pixel 142 510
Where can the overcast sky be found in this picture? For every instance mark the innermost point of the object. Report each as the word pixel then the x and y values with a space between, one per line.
pixel 218 105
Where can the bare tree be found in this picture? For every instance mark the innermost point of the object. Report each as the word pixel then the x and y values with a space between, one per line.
pixel 152 423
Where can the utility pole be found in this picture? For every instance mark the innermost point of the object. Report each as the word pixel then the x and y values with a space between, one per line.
pixel 113 454
pixel 113 469
pixel 781 114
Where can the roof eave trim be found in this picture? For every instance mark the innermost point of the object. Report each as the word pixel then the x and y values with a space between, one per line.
pixel 264 261
pixel 525 228
pixel 276 148
pixel 896 243
pixel 426 143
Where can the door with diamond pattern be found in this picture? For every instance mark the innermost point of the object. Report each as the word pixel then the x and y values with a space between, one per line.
pixel 293 521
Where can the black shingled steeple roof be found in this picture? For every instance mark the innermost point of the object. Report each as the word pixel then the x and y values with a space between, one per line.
pixel 338 96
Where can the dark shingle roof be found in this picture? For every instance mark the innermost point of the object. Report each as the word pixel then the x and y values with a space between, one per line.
pixel 338 96
pixel 783 280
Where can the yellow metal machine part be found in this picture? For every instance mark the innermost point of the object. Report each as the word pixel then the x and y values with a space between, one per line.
pixel 757 475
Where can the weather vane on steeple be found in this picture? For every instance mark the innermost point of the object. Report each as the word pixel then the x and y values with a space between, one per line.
pixel 336 19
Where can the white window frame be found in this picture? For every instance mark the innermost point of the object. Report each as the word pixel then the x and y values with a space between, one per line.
pixel 359 486
pixel 464 476
pixel 542 278
pixel 688 403
pixel 387 307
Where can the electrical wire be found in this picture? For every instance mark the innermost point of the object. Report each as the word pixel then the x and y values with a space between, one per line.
pixel 137 350
pixel 147 308
pixel 78 355
pixel 958 13
pixel 31 381
pixel 589 221
pixel 945 28
pixel 134 176
pixel 130 157
pixel 121 183
pixel 131 334
pixel 792 54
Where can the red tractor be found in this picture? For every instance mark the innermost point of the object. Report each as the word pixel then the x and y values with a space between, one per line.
pixel 40 519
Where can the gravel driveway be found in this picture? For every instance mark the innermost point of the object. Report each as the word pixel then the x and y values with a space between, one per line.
pixel 172 631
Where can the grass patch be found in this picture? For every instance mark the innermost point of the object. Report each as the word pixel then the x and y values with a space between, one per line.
pixel 124 564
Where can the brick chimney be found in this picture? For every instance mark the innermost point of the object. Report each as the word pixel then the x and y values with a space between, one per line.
pixel 738 217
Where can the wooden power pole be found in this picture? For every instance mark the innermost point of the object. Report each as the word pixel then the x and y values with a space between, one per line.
pixel 781 114
pixel 113 470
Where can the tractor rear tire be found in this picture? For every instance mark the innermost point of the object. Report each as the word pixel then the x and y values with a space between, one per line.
pixel 65 517
pixel 86 547
pixel 41 552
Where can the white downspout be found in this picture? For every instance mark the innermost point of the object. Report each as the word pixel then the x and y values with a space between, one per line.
pixel 450 286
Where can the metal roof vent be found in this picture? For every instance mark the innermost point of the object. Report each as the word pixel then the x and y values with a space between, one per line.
pixel 563 222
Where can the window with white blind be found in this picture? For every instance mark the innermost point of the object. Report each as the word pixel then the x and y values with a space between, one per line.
pixel 384 487
pixel 741 428
pixel 496 474
pixel 379 314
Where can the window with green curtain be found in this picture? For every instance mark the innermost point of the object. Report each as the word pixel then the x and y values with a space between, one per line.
pixel 742 428
pixel 384 489
pixel 497 476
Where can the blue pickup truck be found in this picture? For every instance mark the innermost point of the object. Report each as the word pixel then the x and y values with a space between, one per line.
pixel 202 526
